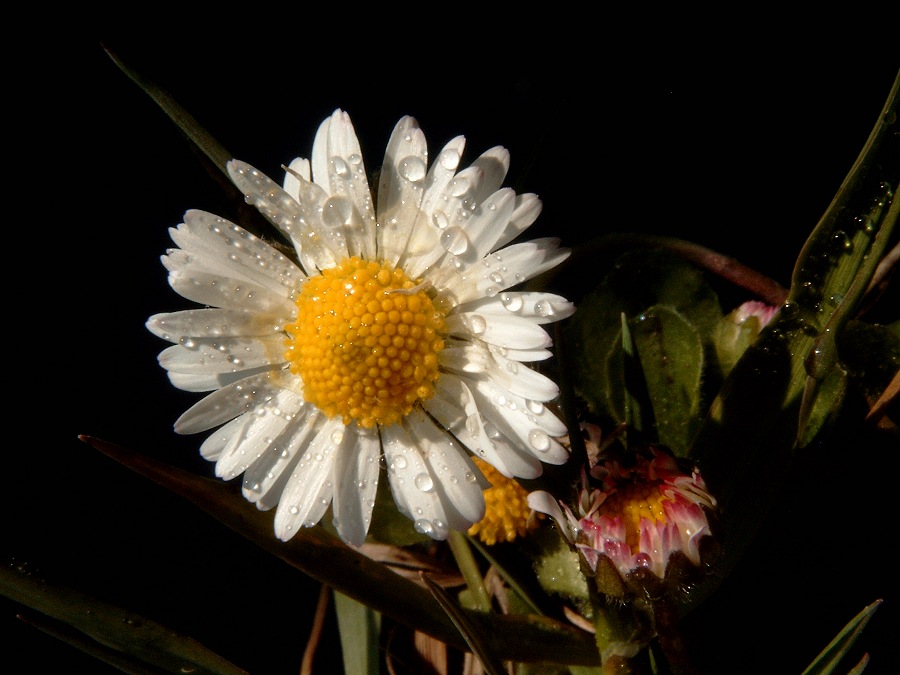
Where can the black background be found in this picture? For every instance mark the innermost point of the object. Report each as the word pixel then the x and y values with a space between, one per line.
pixel 738 147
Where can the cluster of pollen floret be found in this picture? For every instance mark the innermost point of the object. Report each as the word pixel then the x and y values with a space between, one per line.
pixel 365 342
pixel 507 514
pixel 633 503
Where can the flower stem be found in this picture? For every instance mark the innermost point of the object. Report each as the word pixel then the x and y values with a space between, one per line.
pixel 468 567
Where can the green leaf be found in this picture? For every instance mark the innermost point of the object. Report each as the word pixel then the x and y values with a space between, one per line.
pixel 639 281
pixel 830 658
pixel 359 628
pixel 478 642
pixel 779 394
pixel 671 356
pixel 112 634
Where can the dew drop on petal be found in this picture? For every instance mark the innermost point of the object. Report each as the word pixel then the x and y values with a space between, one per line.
pixel 423 482
pixel 399 462
pixel 440 528
pixel 337 435
pixel 512 302
pixel 423 526
pixel 539 440
pixel 294 510
pixel 454 240
pixel 337 211
pixel 535 407
pixel 440 219
pixel 340 167
pixel 412 169
pixel 449 159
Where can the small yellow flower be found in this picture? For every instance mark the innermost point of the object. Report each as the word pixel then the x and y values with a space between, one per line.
pixel 507 514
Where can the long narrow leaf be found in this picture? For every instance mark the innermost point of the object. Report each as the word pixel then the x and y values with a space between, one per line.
pixel 479 643
pixel 113 632
pixel 830 657
pixel 325 558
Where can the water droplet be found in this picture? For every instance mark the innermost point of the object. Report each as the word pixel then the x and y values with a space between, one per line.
pixel 340 167
pixel 539 440
pixel 544 308
pixel 440 219
pixel 535 407
pixel 424 483
pixel 454 240
pixel 399 462
pixel 412 169
pixel 471 477
pixel 440 528
pixel 423 526
pixel 449 159
pixel 511 301
pixel 337 435
pixel 512 367
pixel 337 211
pixel 294 510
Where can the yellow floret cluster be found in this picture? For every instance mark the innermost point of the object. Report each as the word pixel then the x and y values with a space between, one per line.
pixel 507 514
pixel 632 503
pixel 366 342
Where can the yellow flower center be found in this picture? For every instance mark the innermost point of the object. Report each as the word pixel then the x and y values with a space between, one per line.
pixel 365 342
pixel 631 503
pixel 507 512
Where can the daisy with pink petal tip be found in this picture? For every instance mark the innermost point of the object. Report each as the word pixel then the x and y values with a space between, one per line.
pixel 634 517
pixel 393 341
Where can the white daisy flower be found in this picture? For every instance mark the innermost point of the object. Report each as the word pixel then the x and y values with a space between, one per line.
pixel 392 334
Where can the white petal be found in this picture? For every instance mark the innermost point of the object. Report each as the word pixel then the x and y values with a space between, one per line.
pixel 202 323
pixel 513 419
pixel 545 503
pixel 507 267
pixel 400 188
pixel 266 478
pixel 538 307
pixel 227 403
pixel 257 433
pixel 494 165
pixel 208 381
pixel 298 167
pixel 412 483
pixel 356 482
pixel 454 406
pixel 223 291
pixel 222 355
pixel 317 246
pixel 454 472
pixel 423 248
pixel 528 208
pixel 504 331
pixel 470 238
pixel 338 167
pixel 206 234
pixel 310 487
